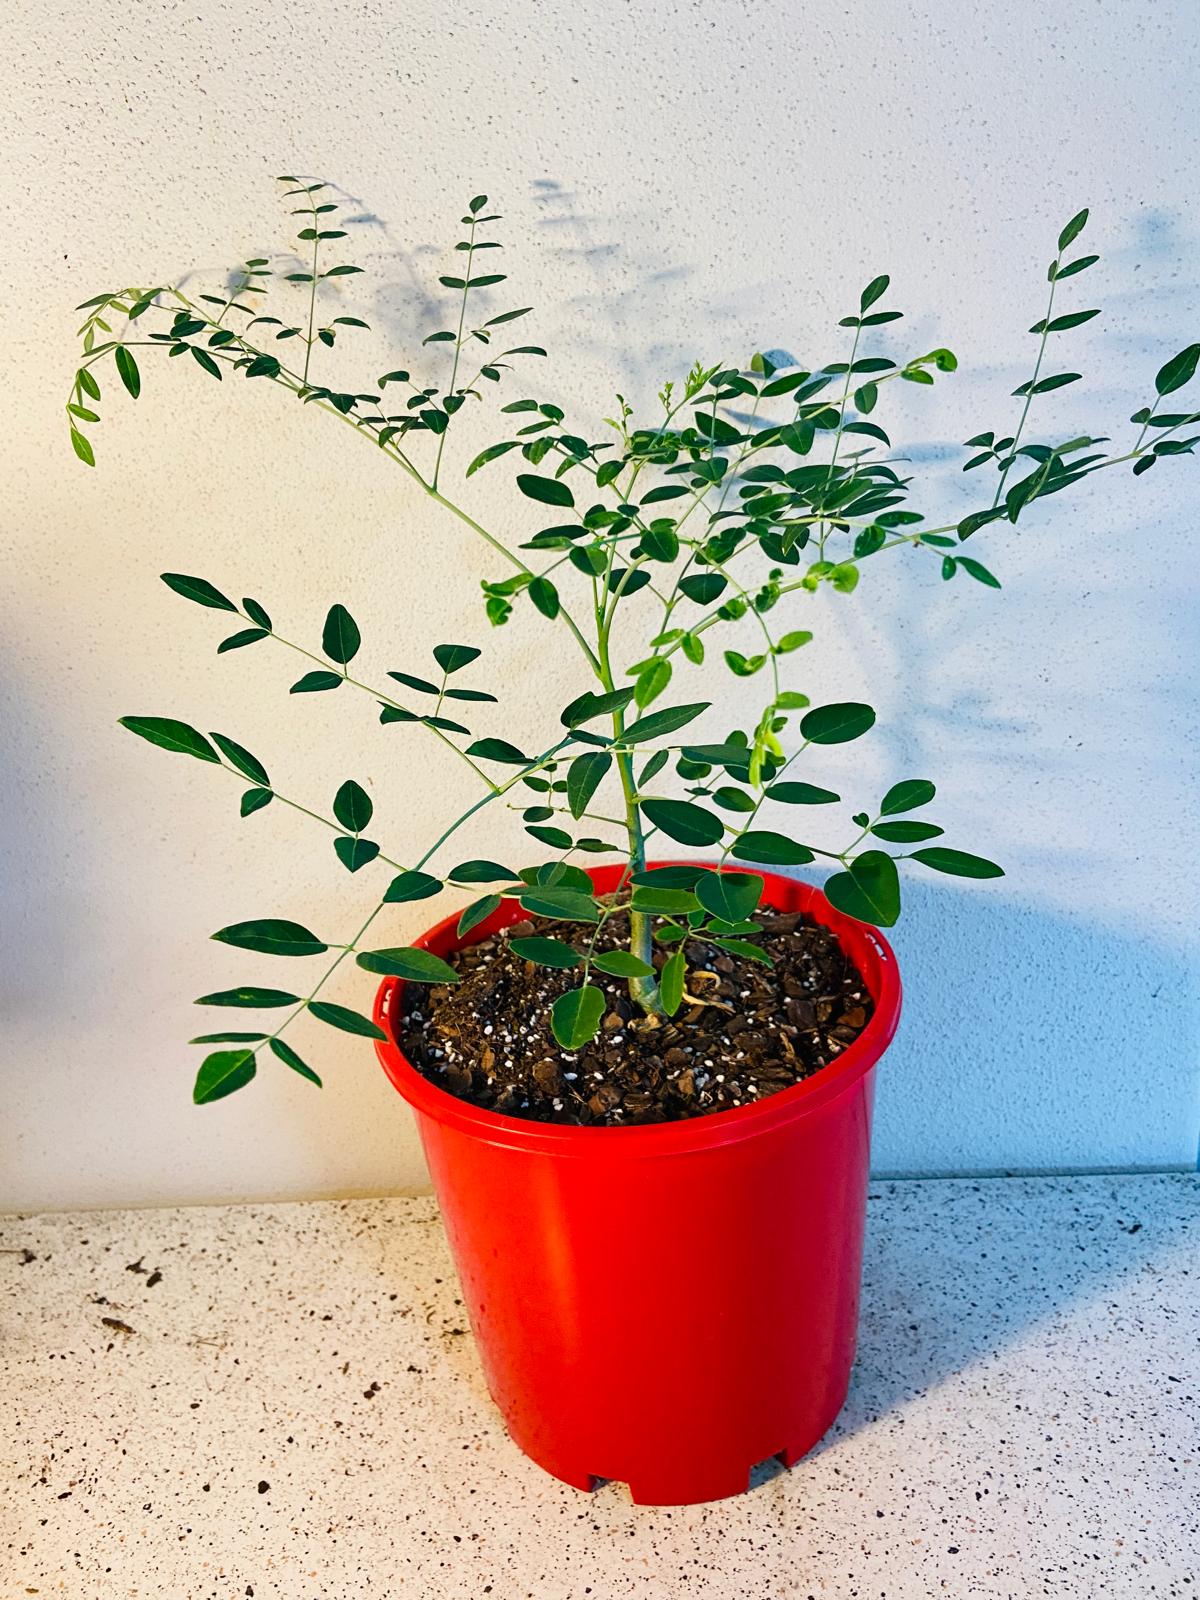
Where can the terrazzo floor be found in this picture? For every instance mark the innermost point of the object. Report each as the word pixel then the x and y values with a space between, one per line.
pixel 283 1401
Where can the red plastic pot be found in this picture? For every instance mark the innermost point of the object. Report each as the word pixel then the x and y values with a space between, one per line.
pixel 665 1305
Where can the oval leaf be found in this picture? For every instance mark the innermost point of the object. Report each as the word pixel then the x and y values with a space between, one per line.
pixel 273 936
pixel 352 806
pixel 656 723
pixel 550 491
pixel 584 777
pixel 249 997
pixel 481 872
pixel 957 862
pixel 837 724
pixel 575 1016
pixel 311 682
pixel 773 849
pixel 732 896
pixel 171 735
pixel 477 912
pixel 412 886
pixel 670 983
pixel 801 794
pixel 681 820
pixel 545 952
pixel 869 892
pixel 344 1018
pixel 907 796
pixel 622 964
pixel 237 756
pixel 340 637
pixel 221 1073
pixel 197 589
pixel 288 1056
pixel 409 963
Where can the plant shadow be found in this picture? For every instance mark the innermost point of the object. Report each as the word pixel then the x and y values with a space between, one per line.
pixel 956 1272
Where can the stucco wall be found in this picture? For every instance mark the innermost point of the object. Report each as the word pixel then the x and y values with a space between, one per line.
pixel 676 180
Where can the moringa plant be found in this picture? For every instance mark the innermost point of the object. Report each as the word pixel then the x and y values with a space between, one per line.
pixel 749 485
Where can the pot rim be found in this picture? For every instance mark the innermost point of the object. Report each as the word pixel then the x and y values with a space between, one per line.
pixel 866 946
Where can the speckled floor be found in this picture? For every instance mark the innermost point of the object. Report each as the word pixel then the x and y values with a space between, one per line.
pixel 283 1401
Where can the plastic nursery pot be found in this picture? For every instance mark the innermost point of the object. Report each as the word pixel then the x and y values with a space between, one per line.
pixel 670 1304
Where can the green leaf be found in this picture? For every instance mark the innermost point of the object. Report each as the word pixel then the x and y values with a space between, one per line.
pixel 312 682
pixel 203 359
pixel 249 997
pixel 957 862
pixel 772 849
pixel 1178 371
pixel 409 963
pixel 1072 319
pixel 906 832
pixel 490 454
pixel 651 683
pixel 344 1018
pixel 254 800
pixel 622 964
pixel 664 900
pixel 584 776
pixel 228 1038
pixel 236 641
pixel 545 597
pixel 869 892
pixel 352 806
pixel 481 872
pixel 837 724
pixel 411 886
pixel 497 750
pixel 732 896
pixel 222 1073
pixel 478 911
pixel 238 756
pixel 1073 229
pixel 453 657
pixel 800 794
pixel 545 952
pixel 658 723
pixel 671 982
pixel 274 936
pixel 355 853
pixel 681 820
pixel 792 641
pixel 171 735
pixel 550 491
pixel 575 1016
pixel 340 638
pixel 289 1057
pixel 874 290
pixel 257 614
pixel 587 706
pixel 703 587
pixel 563 905
pixel 82 448
pixel 743 948
pixel 127 367
pixel 197 589
pixel 907 796
pixel 978 571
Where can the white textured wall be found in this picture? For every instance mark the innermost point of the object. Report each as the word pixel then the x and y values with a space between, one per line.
pixel 677 180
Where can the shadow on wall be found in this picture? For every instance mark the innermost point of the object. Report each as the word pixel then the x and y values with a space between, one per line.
pixel 1033 1041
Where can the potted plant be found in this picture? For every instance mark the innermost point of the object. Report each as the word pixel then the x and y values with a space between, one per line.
pixel 644 1085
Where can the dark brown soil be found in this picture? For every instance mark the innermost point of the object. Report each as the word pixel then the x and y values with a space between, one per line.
pixel 744 1030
